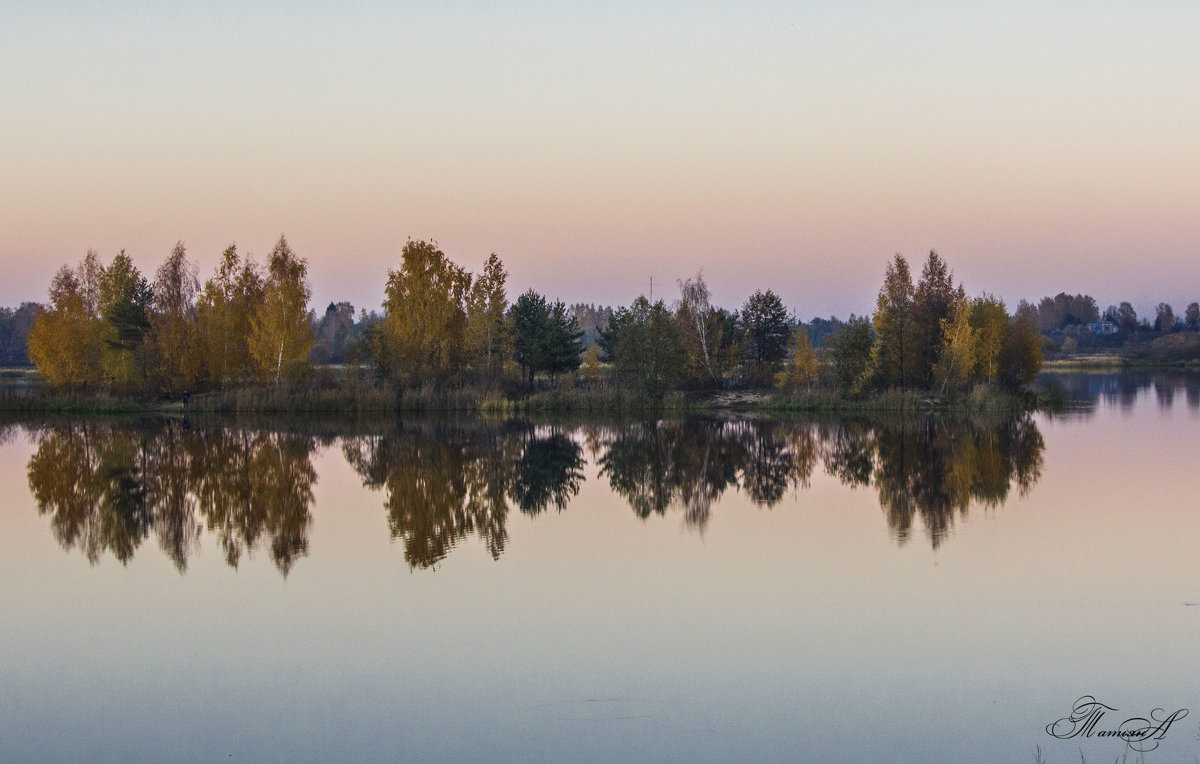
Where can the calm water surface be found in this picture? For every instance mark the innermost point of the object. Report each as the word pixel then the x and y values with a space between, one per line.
pixel 817 590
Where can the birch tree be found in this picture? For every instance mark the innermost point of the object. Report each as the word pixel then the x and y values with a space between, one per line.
pixel 58 339
pixel 281 327
pixel 696 316
pixel 174 328
pixel 423 333
pixel 489 336
pixel 956 360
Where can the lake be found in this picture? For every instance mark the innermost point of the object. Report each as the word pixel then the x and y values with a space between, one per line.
pixel 797 589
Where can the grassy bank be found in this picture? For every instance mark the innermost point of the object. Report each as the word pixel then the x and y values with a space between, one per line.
pixel 1116 363
pixel 359 401
pixel 71 403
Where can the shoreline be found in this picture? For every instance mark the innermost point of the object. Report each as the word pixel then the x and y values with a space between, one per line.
pixel 356 402
pixel 1110 362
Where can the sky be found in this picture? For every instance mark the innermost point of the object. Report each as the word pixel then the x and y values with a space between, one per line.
pixel 1038 147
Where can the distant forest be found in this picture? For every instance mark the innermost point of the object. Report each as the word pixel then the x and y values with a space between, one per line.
pixel 107 327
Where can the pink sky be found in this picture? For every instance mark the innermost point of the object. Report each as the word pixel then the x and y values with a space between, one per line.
pixel 785 147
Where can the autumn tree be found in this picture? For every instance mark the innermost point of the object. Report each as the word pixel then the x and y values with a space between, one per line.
pixel 802 367
pixel 1192 316
pixel 64 340
pixel 989 322
pixel 59 337
pixel 766 330
pixel 589 370
pixel 489 336
pixel 224 309
pixel 956 361
pixel 174 326
pixel 894 355
pixel 424 329
pixel 281 325
pixel 126 298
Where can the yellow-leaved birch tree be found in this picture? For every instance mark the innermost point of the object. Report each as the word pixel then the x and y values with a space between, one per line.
pixel 281 326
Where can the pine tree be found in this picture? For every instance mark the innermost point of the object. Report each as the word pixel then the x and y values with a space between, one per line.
pixel 125 302
pixel 934 301
pixel 767 329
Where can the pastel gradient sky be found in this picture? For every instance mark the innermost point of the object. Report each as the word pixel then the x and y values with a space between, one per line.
pixel 1038 147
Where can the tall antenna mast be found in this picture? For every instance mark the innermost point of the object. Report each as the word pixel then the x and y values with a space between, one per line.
pixel 652 289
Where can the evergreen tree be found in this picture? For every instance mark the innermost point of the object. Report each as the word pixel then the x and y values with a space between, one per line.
pixel 645 346
pixel 125 301
pixel 767 330
pixel 934 302
pixel 850 354
pixel 546 338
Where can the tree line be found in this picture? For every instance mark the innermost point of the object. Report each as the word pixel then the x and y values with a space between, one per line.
pixel 1074 323
pixel 108 327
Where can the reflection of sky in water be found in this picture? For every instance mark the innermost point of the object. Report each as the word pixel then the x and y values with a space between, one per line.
pixel 802 631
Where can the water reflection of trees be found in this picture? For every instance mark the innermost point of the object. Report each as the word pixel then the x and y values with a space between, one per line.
pixel 444 481
pixel 936 471
pixel 108 487
pixel 923 468
pixel 658 466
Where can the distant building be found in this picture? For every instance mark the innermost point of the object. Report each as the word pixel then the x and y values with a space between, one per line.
pixel 1102 327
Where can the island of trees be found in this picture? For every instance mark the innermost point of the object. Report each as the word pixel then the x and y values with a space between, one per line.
pixel 450 337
